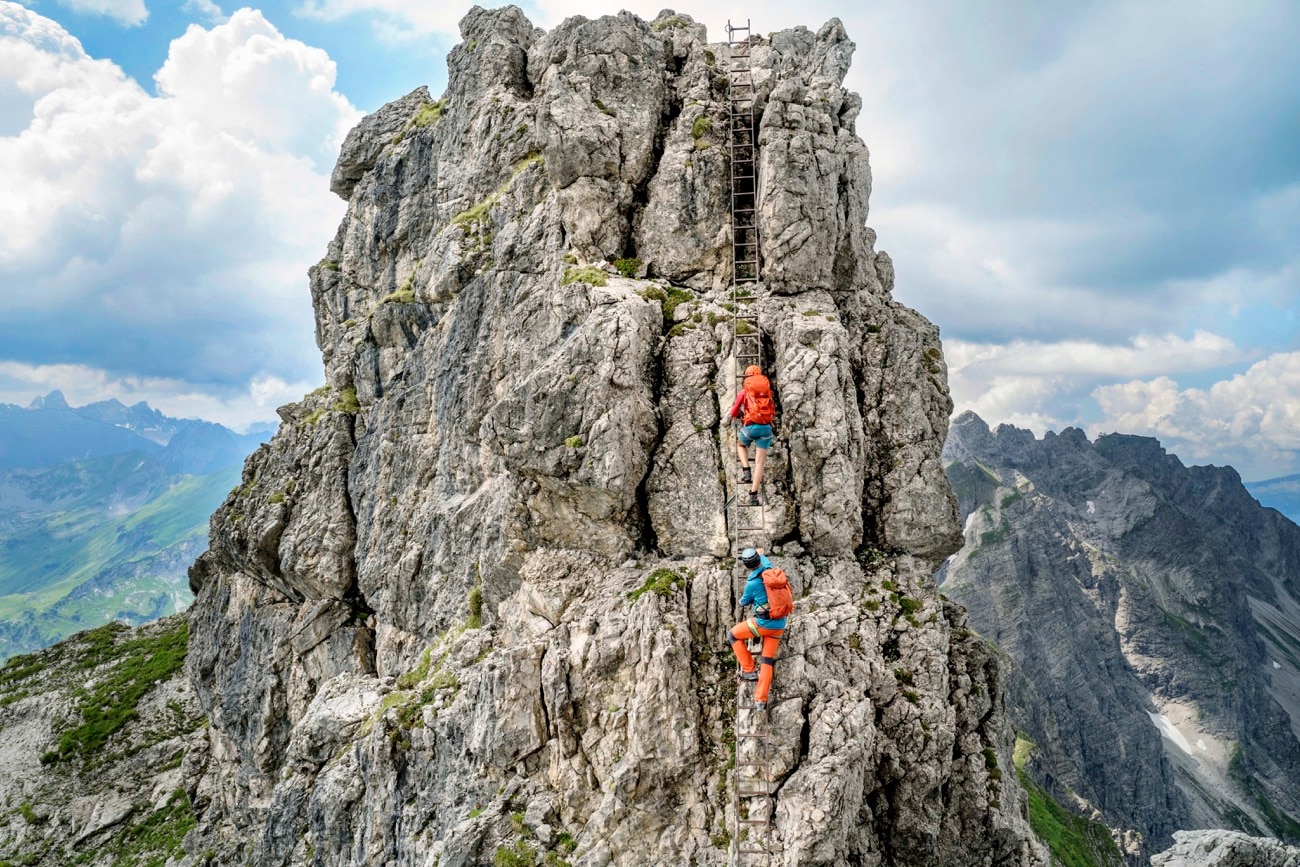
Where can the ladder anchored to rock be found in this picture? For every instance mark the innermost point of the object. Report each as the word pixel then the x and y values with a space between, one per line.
pixel 748 523
pixel 746 338
pixel 751 802
pixel 753 809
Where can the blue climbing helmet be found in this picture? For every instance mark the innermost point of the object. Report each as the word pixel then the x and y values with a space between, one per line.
pixel 750 557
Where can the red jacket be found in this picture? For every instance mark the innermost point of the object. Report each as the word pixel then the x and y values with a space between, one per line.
pixel 738 408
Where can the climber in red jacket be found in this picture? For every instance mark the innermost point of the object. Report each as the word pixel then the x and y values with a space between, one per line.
pixel 756 410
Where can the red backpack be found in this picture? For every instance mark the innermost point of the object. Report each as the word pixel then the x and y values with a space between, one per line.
pixel 780 601
pixel 759 408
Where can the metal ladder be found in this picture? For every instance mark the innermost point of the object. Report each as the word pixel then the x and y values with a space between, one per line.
pixel 752 806
pixel 746 337
pixel 751 802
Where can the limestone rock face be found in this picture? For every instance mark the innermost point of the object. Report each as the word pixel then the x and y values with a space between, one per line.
pixel 1150 610
pixel 470 603
pixel 1226 849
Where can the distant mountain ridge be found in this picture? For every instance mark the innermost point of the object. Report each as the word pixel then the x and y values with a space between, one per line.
pixel 1152 611
pixel 102 510
pixel 49 431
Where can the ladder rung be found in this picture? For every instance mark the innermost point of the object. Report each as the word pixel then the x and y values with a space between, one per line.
pixel 752 822
pixel 751 764
pixel 752 735
pixel 755 850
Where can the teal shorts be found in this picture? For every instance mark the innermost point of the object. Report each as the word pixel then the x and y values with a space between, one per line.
pixel 756 434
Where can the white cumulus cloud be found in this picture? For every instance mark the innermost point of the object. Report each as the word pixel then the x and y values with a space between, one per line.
pixel 166 238
pixel 1251 421
pixel 1043 385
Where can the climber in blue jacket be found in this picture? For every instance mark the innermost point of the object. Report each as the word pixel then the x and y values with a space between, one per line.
pixel 758 626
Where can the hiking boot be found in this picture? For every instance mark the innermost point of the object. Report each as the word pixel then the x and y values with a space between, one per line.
pixel 747 675
pixel 745 476
pixel 760 706
pixel 753 498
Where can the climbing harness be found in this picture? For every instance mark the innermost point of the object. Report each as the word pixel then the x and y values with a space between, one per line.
pixel 752 784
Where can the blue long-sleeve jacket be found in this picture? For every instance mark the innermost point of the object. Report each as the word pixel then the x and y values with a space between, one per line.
pixel 756 594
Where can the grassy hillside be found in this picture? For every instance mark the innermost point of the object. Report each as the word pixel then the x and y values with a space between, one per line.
pixel 97 541
pixel 1073 840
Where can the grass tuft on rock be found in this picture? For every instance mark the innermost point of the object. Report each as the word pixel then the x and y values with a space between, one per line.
pixel 588 274
pixel 628 267
pixel 347 402
pixel 429 113
pixel 663 24
pixel 661 582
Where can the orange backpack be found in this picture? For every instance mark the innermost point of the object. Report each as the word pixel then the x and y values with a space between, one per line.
pixel 780 601
pixel 759 408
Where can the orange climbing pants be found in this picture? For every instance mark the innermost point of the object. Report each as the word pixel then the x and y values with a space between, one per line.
pixel 740 635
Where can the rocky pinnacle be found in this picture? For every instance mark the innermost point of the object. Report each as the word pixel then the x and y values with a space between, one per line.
pixel 469 604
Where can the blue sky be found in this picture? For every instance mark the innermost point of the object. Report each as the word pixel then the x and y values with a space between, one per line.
pixel 1097 202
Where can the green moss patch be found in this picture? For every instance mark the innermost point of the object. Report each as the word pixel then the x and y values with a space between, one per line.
pixel 476 218
pixel 157 838
pixel 405 295
pixel 993 537
pixel 347 401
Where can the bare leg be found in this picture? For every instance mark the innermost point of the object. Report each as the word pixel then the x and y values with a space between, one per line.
pixel 743 453
pixel 760 456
